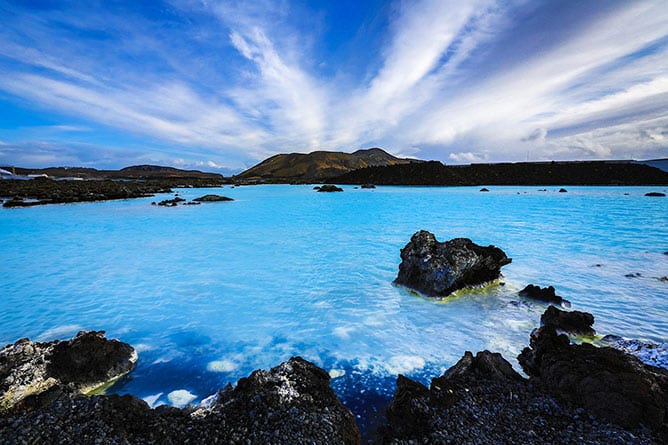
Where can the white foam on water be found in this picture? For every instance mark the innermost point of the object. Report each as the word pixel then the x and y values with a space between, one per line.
pixel 180 397
pixel 143 347
pixel 403 364
pixel 222 366
pixel 335 373
pixel 343 331
pixel 153 399
pixel 60 332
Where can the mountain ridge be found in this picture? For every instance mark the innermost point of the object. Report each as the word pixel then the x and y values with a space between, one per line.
pixel 317 166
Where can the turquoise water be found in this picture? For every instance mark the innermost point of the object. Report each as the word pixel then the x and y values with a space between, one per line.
pixel 209 293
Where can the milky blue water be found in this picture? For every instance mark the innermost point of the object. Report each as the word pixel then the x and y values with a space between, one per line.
pixel 209 293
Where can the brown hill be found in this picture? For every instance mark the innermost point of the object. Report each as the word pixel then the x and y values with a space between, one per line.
pixel 317 166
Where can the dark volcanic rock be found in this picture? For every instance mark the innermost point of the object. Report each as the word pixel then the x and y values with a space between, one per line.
pixel 290 404
pixel 563 191
pixel 212 198
pixel 484 189
pixel 482 400
pixel 437 269
pixel 546 294
pixel 655 194
pixel 28 368
pixel 608 383
pixel 575 322
pixel 329 188
pixel 368 186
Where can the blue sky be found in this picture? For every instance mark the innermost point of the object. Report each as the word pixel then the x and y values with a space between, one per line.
pixel 221 85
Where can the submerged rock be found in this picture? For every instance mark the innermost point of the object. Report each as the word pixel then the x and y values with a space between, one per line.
pixel 574 322
pixel 655 194
pixel 329 188
pixel 608 383
pixel 368 186
pixel 28 369
pixel 437 269
pixel 212 198
pixel 484 189
pixel 546 294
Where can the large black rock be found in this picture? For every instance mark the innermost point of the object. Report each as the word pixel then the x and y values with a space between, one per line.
pixel 28 369
pixel 608 383
pixel 482 400
pixel 438 269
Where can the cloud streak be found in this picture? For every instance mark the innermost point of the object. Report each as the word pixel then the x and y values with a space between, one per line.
pixel 228 83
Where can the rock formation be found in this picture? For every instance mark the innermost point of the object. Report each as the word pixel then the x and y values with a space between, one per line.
pixel 546 294
pixel 28 369
pixel 437 269
pixel 574 322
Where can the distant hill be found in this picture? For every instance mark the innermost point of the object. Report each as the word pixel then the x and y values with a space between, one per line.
pixel 317 166
pixel 521 173
pixel 143 172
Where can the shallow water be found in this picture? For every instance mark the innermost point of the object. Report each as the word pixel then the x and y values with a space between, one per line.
pixel 209 293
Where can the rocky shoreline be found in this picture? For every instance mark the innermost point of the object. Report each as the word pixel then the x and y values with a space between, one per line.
pixel 574 394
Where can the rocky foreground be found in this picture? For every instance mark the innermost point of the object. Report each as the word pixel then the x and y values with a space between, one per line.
pixel 575 394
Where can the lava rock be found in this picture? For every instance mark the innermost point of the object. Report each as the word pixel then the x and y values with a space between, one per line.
pixel 81 364
pixel 655 194
pixel 437 269
pixel 484 189
pixel 292 403
pixel 368 186
pixel 546 294
pixel 212 198
pixel 482 400
pixel 608 383
pixel 329 188
pixel 574 322
pixel 563 191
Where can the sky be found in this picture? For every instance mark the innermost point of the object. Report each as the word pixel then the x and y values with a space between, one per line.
pixel 221 85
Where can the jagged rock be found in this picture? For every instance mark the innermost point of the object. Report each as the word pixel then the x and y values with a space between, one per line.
pixel 655 354
pixel 290 404
pixel 482 400
pixel 437 269
pixel 608 383
pixel 83 363
pixel 574 322
pixel 655 194
pixel 546 294
pixel 212 198
pixel 329 188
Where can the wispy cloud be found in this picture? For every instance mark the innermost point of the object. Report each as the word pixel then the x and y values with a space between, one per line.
pixel 456 81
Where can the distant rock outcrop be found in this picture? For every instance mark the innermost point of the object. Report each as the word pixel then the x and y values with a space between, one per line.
pixel 212 198
pixel 521 173
pixel 655 194
pixel 329 188
pixel 317 166
pixel 437 269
